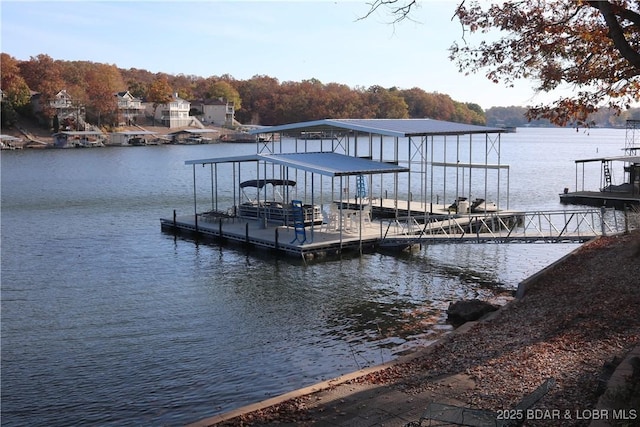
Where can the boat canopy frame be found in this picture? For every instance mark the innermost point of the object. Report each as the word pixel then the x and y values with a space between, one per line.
pixel 629 161
pixel 371 147
pixel 424 136
pixel 260 183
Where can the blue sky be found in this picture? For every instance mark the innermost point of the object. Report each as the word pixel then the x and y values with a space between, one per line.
pixel 291 41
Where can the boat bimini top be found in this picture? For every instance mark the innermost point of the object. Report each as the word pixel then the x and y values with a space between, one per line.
pixel 259 183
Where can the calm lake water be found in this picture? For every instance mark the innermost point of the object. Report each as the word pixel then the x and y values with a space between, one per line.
pixel 106 320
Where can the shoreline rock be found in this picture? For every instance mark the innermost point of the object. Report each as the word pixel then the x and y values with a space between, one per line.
pixel 461 312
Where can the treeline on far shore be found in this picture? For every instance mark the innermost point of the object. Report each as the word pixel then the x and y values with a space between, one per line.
pixel 260 100
pixel 515 117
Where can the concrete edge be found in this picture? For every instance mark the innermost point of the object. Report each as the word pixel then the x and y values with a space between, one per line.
pixel 324 385
pixel 523 286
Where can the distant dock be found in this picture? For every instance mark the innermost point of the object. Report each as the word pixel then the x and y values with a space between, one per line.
pixel 620 196
pixel 618 201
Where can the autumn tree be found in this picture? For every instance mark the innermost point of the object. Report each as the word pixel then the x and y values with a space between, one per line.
pixel 159 93
pixel 258 96
pixel 138 81
pixel 43 75
pixel 342 102
pixel 183 85
pixel 591 47
pixel 385 103
pixel 15 92
pixel 103 82
pixel 224 90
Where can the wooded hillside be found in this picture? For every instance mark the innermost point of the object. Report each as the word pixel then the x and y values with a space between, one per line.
pixel 261 100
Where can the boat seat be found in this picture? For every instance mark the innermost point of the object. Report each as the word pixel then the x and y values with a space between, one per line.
pixel 330 220
pixel 365 214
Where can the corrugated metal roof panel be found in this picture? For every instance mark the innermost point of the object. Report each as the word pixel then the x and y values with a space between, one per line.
pixel 386 127
pixel 231 159
pixel 328 164
pixel 334 164
pixel 630 159
pixel 136 132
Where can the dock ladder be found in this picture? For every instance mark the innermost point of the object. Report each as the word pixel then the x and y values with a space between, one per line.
pixel 361 187
pixel 607 174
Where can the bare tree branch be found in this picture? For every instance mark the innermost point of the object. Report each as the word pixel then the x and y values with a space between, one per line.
pixel 616 33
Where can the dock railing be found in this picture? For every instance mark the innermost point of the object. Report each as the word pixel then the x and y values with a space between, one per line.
pixel 537 226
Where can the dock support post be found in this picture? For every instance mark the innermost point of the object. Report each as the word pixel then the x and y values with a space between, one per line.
pixel 220 228
pixel 246 233
pixel 276 238
pixel 174 217
pixel 602 225
pixel 196 222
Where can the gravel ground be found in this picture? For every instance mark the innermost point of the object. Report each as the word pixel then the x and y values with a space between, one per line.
pixel 573 322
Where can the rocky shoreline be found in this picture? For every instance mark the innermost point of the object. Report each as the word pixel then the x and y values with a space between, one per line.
pixel 575 323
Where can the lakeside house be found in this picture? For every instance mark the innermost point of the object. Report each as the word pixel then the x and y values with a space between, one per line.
pixel 173 114
pixel 69 113
pixel 130 108
pixel 217 112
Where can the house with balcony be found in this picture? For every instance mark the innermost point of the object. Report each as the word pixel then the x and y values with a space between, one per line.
pixel 70 114
pixel 217 112
pixel 174 114
pixel 130 108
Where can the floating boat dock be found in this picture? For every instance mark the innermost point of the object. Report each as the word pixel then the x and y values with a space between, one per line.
pixel 619 196
pixel 366 185
pixel 616 200
pixel 399 234
pixel 328 240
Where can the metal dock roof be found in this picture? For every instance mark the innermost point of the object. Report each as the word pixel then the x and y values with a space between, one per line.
pixel 194 131
pixel 630 159
pixel 385 127
pixel 135 132
pixel 79 133
pixel 323 163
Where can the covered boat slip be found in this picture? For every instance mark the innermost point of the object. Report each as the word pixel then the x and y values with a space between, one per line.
pixel 358 183
pixel 446 161
pixel 610 194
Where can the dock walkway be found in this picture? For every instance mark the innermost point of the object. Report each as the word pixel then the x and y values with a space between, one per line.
pixel 401 233
pixel 280 238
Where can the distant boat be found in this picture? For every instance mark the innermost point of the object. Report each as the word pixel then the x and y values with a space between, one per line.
pixel 8 142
